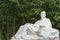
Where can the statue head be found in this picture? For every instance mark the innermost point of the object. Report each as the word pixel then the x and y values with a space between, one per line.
pixel 43 15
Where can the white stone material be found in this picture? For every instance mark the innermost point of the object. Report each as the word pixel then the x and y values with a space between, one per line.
pixel 40 30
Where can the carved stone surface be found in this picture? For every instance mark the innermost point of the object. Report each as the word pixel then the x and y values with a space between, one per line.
pixel 40 30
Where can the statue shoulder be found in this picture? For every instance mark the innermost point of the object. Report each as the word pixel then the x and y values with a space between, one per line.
pixel 48 19
pixel 37 21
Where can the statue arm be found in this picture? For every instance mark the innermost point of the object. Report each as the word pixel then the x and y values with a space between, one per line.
pixel 33 29
pixel 49 23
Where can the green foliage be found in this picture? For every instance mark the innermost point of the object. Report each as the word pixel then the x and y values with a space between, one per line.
pixel 14 13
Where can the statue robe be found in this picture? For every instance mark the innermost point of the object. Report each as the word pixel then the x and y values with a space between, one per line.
pixel 41 28
pixel 25 33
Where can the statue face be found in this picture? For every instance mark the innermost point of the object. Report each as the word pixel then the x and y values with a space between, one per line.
pixel 43 14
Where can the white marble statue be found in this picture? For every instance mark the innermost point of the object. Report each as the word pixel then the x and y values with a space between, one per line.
pixel 40 30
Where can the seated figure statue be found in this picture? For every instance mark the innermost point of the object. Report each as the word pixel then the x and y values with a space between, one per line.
pixel 40 30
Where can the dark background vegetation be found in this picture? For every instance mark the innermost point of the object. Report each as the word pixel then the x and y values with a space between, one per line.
pixel 14 13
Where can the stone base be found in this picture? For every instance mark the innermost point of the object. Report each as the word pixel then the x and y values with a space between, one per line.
pixel 37 39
